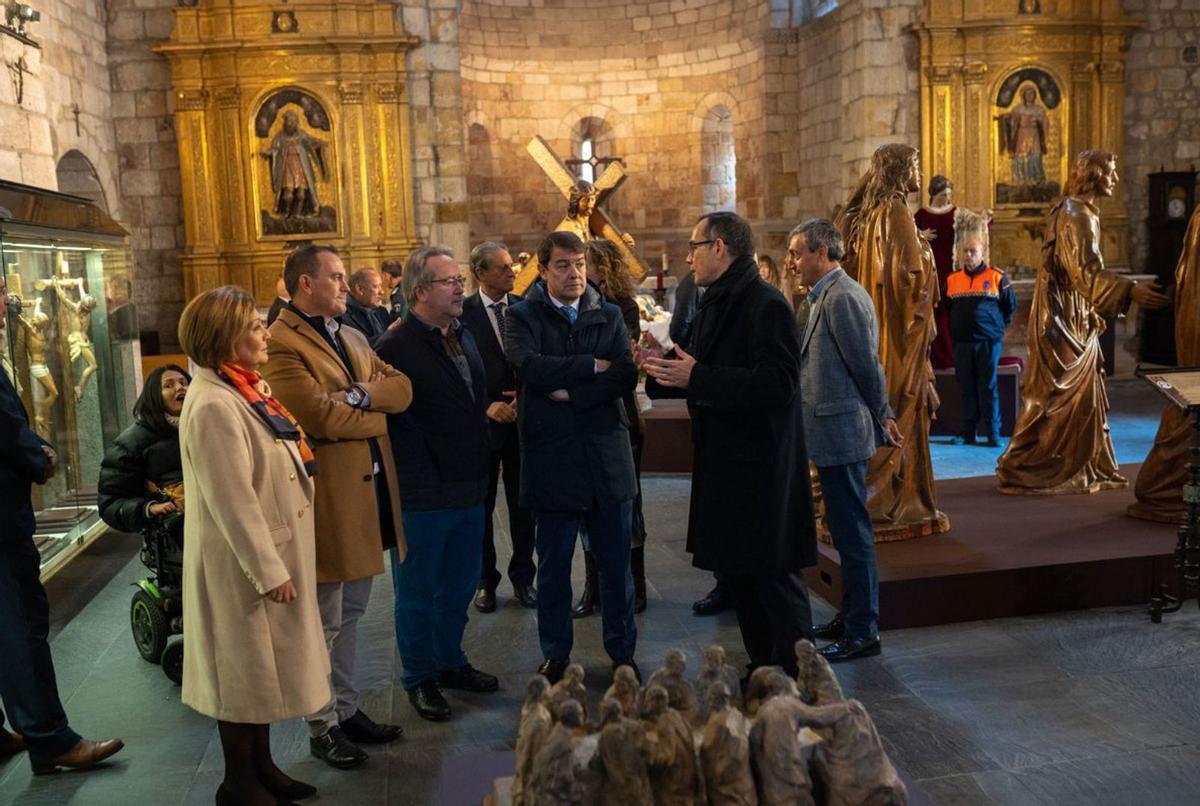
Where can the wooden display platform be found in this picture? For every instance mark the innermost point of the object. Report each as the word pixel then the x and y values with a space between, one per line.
pixel 1014 556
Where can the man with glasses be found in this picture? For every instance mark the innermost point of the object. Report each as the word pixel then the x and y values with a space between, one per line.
pixel 442 458
pixel 751 515
pixel 574 363
pixel 485 314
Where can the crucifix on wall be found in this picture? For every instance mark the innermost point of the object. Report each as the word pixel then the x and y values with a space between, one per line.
pixel 584 214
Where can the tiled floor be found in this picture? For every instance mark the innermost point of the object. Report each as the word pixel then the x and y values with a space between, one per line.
pixel 1095 707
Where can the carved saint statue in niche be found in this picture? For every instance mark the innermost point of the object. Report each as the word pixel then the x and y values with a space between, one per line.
pixel 301 172
pixel 293 155
pixel 1026 101
pixel 1028 129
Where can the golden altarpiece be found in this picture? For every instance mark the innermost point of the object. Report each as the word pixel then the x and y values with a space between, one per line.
pixel 1011 90
pixel 293 126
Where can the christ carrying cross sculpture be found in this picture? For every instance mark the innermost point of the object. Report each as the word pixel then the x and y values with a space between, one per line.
pixel 584 216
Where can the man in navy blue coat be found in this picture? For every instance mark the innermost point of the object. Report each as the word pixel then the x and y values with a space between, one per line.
pixel 27 683
pixel 574 364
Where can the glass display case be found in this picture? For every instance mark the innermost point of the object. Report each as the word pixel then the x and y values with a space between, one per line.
pixel 70 348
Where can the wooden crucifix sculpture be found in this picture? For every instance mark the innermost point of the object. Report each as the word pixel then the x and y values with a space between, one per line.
pixel 584 214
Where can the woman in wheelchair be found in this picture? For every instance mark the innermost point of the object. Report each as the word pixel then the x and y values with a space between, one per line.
pixel 141 478
pixel 141 490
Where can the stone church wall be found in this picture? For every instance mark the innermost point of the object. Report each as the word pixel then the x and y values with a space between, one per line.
pixel 70 69
pixel 143 118
pixel 1162 105
pixel 654 78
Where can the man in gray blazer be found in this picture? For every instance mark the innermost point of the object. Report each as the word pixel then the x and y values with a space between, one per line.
pixel 846 417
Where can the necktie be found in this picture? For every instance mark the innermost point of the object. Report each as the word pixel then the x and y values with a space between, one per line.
pixel 570 313
pixel 498 308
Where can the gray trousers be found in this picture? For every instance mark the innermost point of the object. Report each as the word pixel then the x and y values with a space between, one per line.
pixel 342 605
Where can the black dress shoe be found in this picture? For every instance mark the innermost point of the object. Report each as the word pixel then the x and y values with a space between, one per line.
pixel 831 631
pixel 429 703
pixel 336 750
pixel 291 790
pixel 361 729
pixel 553 670
pixel 716 601
pixel 526 595
pixel 963 441
pixel 631 664
pixel 852 648
pixel 485 600
pixel 993 442
pixel 468 678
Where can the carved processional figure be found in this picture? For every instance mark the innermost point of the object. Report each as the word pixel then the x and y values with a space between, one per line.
pixel 1061 443
pixel 584 217
pixel 890 259
pixel 1159 486
pixel 772 752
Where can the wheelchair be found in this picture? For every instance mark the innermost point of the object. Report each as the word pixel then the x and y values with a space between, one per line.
pixel 156 612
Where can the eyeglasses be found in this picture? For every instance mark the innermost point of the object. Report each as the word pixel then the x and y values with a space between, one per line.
pixel 459 282
pixel 694 245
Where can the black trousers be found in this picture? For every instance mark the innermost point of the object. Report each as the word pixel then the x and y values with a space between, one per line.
pixel 521 569
pixel 27 683
pixel 773 613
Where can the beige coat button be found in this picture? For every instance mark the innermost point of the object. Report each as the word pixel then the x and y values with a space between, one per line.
pixel 292 477
pixel 300 514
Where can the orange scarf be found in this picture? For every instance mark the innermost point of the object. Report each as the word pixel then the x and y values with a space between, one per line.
pixel 273 413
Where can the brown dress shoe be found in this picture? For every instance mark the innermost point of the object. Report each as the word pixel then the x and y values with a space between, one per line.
pixel 83 755
pixel 10 743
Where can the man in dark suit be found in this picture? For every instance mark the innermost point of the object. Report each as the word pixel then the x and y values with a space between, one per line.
pixel 751 514
pixel 485 316
pixel 282 298
pixel 574 365
pixel 441 448
pixel 27 682
pixel 846 417
pixel 363 311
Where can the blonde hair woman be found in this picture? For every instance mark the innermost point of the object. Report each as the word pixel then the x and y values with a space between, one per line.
pixel 255 651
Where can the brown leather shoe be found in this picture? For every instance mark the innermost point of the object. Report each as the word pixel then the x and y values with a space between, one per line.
pixel 10 743
pixel 84 755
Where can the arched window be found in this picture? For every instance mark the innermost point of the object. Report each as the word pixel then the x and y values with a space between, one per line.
pixel 592 149
pixel 718 160
pixel 77 176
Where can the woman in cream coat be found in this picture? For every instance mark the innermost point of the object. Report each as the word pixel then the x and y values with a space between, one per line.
pixel 254 648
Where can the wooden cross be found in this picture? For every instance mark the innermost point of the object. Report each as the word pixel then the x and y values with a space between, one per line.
pixel 600 224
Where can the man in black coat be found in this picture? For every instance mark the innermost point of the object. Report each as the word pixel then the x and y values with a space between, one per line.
pixel 751 514
pixel 27 683
pixel 485 315
pixel 363 311
pixel 440 445
pixel 574 363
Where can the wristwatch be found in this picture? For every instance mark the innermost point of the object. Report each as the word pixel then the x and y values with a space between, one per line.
pixel 355 396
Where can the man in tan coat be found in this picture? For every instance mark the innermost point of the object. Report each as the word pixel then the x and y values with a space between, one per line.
pixel 340 392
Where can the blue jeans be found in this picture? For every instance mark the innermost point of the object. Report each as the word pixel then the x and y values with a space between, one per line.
pixel 434 586
pixel 975 365
pixel 844 489
pixel 27 683
pixel 609 531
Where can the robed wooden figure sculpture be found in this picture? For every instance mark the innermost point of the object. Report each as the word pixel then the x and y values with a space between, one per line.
pixel 620 758
pixel 536 723
pixel 890 259
pixel 725 752
pixel 671 754
pixel 557 776
pixel 1061 443
pixel 1159 485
